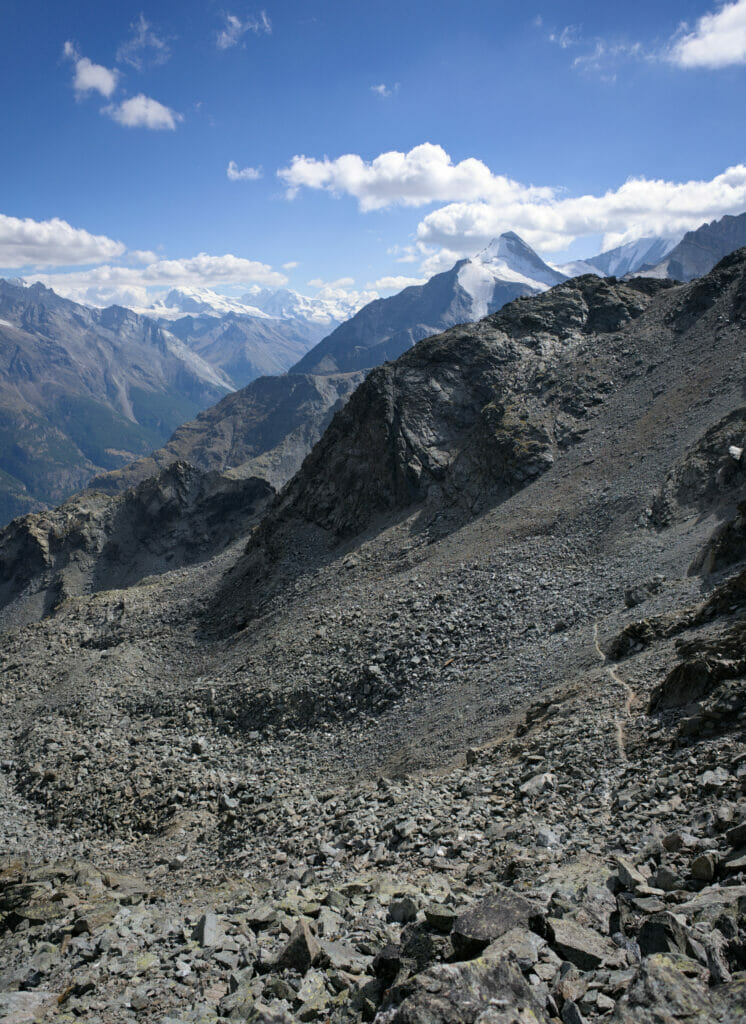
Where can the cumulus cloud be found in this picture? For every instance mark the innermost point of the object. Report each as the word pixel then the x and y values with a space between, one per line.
pixel 90 77
pixel 290 265
pixel 384 91
pixel 108 284
pixel 236 173
pixel 718 40
pixel 342 290
pixel 395 282
pixel 639 207
pixel 236 28
pixel 404 253
pixel 487 204
pixel 143 112
pixel 51 243
pixel 141 256
pixel 341 282
pixel 144 48
pixel 423 175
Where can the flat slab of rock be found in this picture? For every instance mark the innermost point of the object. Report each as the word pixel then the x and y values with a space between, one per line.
pixel 465 993
pixel 523 944
pixel 580 945
pixel 488 920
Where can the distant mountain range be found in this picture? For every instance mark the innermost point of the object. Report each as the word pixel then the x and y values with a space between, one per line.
pixel 325 312
pixel 471 289
pixel 624 259
pixel 698 251
pixel 84 392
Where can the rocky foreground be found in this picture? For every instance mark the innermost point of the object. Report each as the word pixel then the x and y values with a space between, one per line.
pixel 471 751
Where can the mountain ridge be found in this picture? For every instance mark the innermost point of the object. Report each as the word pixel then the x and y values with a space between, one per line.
pixel 478 742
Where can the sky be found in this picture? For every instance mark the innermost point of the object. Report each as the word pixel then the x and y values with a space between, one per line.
pixel 353 148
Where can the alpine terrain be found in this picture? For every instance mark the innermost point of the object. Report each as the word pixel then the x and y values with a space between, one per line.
pixel 451 728
pixel 84 390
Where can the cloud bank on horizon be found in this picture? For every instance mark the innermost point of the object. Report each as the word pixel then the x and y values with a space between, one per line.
pixel 483 204
pixel 450 206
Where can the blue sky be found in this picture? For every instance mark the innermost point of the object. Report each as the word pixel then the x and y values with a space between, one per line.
pixel 354 145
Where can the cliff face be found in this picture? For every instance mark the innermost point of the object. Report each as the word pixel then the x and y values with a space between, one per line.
pixel 95 542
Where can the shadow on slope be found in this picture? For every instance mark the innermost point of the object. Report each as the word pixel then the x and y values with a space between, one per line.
pixel 95 542
pixel 454 426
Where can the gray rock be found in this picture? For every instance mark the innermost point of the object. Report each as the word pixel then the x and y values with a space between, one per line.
pixel 662 933
pixel 464 993
pixel 301 950
pixel 580 945
pixel 486 921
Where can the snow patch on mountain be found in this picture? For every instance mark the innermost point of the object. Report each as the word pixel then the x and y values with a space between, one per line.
pixel 624 259
pixel 506 260
pixel 199 366
pixel 329 309
pixel 201 302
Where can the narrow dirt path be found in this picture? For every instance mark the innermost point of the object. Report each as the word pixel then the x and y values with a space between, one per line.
pixel 629 695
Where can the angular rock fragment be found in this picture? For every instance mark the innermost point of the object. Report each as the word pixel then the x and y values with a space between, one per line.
pixel 486 921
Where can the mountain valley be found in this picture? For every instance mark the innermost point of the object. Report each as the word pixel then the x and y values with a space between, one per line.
pixel 450 727
pixel 64 429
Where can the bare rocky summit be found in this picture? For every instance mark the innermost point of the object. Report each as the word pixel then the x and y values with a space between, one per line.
pixel 699 250
pixel 456 733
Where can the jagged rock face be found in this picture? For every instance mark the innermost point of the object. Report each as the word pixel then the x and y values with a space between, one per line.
pixel 264 430
pixel 96 542
pixel 698 251
pixel 726 546
pixel 467 404
pixel 692 484
pixel 465 418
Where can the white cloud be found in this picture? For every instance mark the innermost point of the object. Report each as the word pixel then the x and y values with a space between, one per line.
pixel 51 243
pixel 423 175
pixel 384 91
pixel 404 253
pixel 639 207
pixel 108 284
pixel 341 282
pixel 718 41
pixel 488 204
pixel 569 36
pixel 236 173
pixel 142 256
pixel 143 112
pixel 606 56
pixel 395 282
pixel 341 291
pixel 235 29
pixel 144 48
pixel 90 77
pixel 291 265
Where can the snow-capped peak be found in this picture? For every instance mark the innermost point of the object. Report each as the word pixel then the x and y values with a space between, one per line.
pixel 624 259
pixel 506 260
pixel 330 308
pixel 202 302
